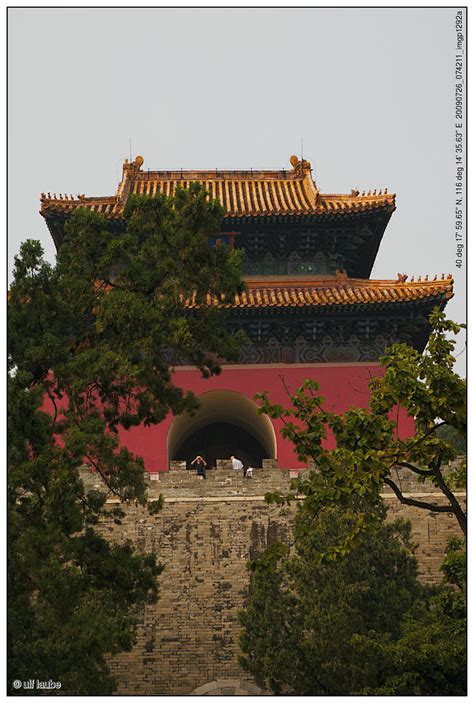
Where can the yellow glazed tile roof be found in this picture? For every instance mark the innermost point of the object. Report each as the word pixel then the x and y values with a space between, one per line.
pixel 336 292
pixel 241 193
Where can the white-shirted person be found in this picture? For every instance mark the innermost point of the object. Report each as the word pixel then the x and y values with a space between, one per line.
pixel 236 464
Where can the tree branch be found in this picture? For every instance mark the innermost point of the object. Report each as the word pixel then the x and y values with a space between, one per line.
pixel 51 397
pixel 415 469
pixel 103 476
pixel 461 516
pixel 426 435
pixel 417 503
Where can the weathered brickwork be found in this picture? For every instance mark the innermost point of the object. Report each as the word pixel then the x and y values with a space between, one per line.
pixel 205 534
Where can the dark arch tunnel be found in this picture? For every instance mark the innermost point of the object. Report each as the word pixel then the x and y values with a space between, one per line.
pixel 226 423
pixel 220 440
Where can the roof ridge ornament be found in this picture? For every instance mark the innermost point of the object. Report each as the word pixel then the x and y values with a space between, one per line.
pixel 341 275
pixel 129 170
pixel 303 170
pixel 300 165
pixel 133 165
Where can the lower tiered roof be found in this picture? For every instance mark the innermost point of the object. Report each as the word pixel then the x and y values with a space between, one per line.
pixel 336 292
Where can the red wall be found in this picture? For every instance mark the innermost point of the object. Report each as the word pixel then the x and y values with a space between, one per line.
pixel 341 385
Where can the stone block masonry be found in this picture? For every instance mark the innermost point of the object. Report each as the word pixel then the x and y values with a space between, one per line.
pixel 205 535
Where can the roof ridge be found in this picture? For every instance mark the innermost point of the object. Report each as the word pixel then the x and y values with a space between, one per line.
pixel 253 172
pixel 344 282
pixel 381 193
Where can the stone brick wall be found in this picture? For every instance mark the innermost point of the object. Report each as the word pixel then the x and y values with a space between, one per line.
pixel 205 534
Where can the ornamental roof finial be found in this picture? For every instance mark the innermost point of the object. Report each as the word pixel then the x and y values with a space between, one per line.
pixel 302 165
pixel 341 275
pixel 134 165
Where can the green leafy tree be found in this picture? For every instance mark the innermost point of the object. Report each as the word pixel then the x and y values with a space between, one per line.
pixel 92 337
pixel 430 655
pixel 305 630
pixel 303 611
pixel 357 624
pixel 369 452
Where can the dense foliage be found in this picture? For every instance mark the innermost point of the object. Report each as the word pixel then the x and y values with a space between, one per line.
pixel 343 613
pixel 368 451
pixel 430 655
pixel 357 624
pixel 91 338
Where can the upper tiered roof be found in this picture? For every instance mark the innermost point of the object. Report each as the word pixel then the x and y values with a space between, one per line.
pixel 243 194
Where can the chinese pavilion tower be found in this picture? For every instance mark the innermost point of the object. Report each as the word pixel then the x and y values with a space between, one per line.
pixel 310 309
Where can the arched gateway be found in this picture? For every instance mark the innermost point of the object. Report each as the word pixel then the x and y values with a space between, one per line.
pixel 227 687
pixel 226 423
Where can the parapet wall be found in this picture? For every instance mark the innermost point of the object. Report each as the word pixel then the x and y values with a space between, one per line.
pixel 205 535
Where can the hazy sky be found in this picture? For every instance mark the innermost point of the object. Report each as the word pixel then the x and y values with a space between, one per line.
pixel 370 91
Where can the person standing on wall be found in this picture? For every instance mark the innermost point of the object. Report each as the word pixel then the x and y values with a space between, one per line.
pixel 236 464
pixel 200 466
